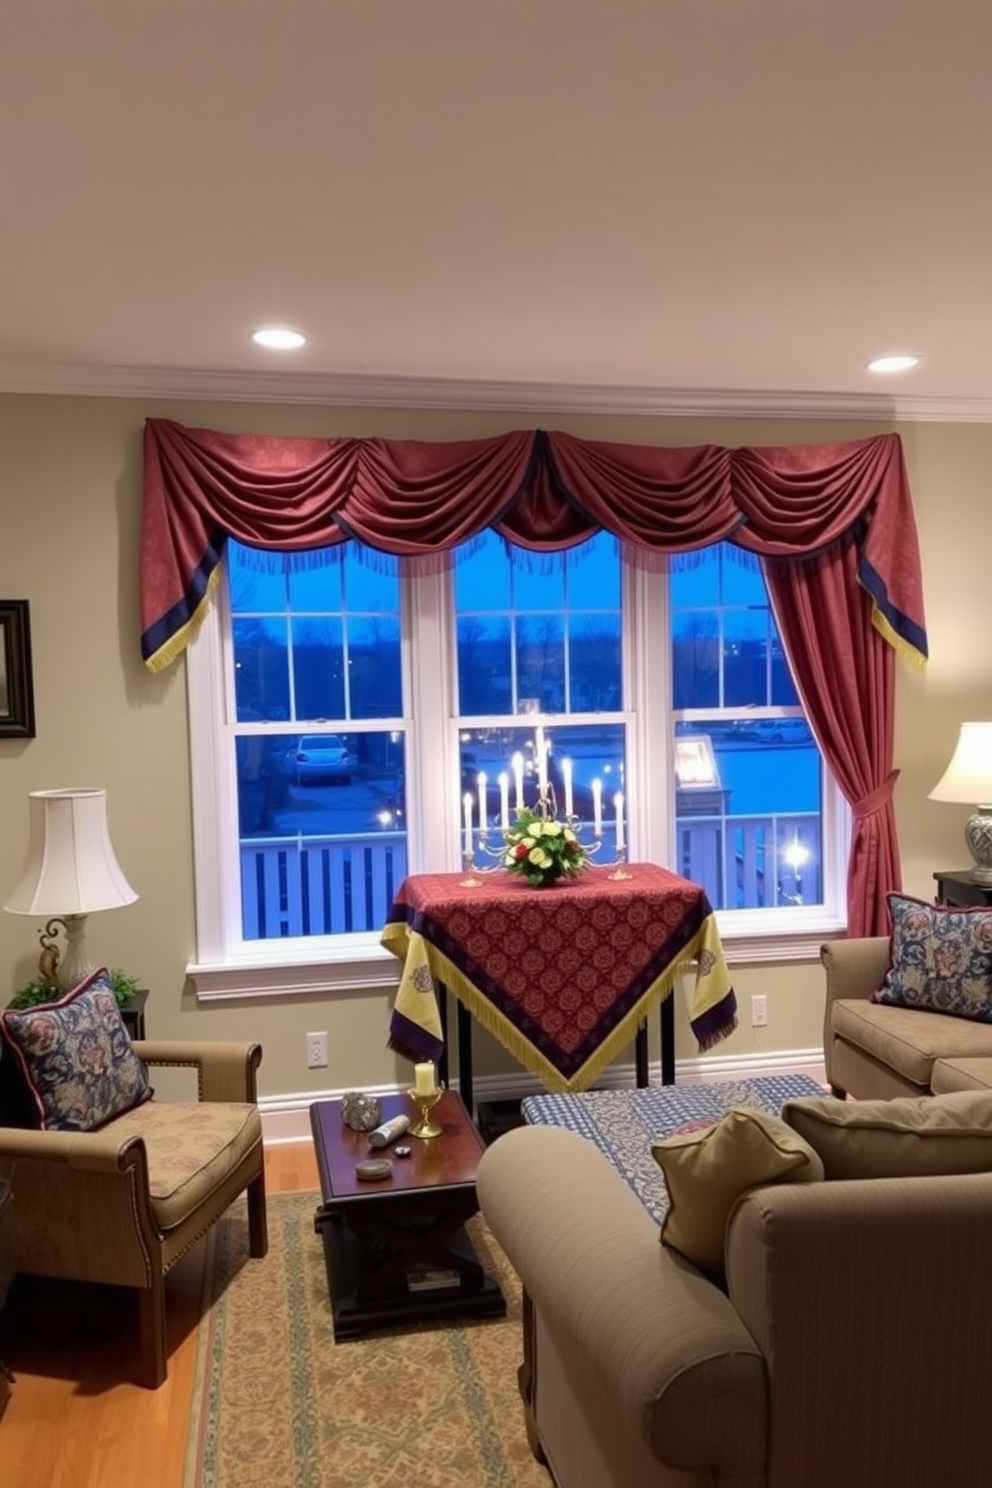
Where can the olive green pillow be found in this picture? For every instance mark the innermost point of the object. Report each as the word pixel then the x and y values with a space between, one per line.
pixel 707 1171
pixel 908 1137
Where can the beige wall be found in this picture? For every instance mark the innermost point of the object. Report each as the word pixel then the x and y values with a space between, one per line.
pixel 70 493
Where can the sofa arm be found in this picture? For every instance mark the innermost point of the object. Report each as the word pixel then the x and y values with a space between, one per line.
pixel 854 968
pixel 663 1342
pixel 225 1071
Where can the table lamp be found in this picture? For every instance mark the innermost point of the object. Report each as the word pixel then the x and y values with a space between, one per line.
pixel 71 872
pixel 968 779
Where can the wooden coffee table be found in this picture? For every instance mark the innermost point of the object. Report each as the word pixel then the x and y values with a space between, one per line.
pixel 396 1250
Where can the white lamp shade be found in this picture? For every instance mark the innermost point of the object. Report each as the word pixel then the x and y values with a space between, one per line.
pixel 71 867
pixel 968 778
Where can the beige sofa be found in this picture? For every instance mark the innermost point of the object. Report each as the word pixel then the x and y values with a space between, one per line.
pixel 851 1349
pixel 875 1052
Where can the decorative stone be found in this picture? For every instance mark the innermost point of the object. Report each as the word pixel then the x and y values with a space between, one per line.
pixel 360 1111
pixel 373 1169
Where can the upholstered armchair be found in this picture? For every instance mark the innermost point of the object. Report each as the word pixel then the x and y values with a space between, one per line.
pixel 122 1203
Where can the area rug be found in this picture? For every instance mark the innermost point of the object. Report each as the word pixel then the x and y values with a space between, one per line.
pixel 277 1404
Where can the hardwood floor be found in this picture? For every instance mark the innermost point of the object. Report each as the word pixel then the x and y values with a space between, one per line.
pixel 70 1422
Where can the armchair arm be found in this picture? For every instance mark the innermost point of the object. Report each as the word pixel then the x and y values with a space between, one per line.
pixel 225 1071
pixel 661 1340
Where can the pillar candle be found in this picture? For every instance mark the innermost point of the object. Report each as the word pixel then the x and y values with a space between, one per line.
pixel 566 775
pixel 518 781
pixel 504 800
pixel 424 1082
pixel 597 809
pixel 618 803
pixel 467 803
pixel 483 802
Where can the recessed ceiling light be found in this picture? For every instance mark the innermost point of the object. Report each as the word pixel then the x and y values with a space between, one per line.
pixel 278 338
pixel 900 363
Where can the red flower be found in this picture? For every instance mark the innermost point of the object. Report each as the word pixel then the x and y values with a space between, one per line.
pixel 520 850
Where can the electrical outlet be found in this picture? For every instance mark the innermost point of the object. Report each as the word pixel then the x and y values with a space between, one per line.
pixel 316 1051
pixel 759 1012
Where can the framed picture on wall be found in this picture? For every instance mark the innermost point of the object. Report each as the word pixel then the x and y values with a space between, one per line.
pixel 16 685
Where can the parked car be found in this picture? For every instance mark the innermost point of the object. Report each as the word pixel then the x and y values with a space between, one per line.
pixel 323 757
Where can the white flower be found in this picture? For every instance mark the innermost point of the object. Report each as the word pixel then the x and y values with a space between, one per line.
pixel 552 829
pixel 537 828
pixel 539 858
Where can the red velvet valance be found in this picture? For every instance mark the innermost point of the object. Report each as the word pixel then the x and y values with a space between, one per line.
pixel 542 491
pixel 833 525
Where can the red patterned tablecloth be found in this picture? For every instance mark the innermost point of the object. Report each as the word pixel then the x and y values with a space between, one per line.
pixel 562 976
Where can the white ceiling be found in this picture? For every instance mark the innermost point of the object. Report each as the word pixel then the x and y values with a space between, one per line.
pixel 639 203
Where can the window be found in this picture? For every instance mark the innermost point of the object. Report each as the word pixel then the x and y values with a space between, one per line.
pixel 341 716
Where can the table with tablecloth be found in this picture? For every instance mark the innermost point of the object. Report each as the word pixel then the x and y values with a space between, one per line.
pixel 563 977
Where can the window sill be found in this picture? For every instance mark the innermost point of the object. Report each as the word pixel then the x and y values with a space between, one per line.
pixel 363 966
pixel 366 966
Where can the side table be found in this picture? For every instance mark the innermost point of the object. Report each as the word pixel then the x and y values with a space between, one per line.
pixel 5 1200
pixel 133 1013
pixel 955 886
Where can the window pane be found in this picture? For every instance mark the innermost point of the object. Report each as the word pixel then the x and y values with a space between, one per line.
pixel 541 662
pixel 315 581
pixel 695 659
pixel 323 841
pixel 745 658
pixel 375 667
pixel 748 801
pixel 256 583
pixel 318 666
pixel 595 656
pixel 261 670
pixel 485 666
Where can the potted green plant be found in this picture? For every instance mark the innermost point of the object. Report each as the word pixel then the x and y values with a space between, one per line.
pixel 38 991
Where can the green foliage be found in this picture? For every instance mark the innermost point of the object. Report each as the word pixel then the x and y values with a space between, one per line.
pixel 35 992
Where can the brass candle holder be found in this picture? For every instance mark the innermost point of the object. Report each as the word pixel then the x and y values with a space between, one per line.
pixel 426 1101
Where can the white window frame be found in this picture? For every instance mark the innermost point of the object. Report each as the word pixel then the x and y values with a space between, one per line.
pixel 225 966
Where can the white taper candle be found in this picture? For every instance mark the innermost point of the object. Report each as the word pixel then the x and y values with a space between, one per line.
pixel 566 775
pixel 504 800
pixel 467 803
pixel 518 780
pixel 597 809
pixel 483 802
pixel 618 803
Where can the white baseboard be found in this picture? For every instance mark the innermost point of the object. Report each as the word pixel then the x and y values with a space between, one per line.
pixel 286 1118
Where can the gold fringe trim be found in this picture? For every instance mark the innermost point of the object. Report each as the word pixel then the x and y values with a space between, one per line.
pixel 899 644
pixel 173 648
pixel 524 1052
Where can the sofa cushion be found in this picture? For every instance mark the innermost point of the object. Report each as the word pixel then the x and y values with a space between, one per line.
pixel 961 1074
pixel 910 1136
pixel 940 959
pixel 74 1059
pixel 907 1040
pixel 706 1171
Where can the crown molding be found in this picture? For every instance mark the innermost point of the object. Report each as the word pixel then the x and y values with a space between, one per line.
pixel 338 390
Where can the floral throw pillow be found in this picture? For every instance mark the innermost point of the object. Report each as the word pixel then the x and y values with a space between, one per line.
pixel 940 959
pixel 74 1058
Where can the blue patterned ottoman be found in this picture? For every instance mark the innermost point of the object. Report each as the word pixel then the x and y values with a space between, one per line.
pixel 624 1123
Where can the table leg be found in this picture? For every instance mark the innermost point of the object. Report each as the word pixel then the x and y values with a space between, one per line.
pixel 465 1058
pixel 641 1056
pixel 442 1008
pixel 668 1040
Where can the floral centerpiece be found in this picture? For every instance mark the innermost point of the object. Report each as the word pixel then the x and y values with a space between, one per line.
pixel 542 851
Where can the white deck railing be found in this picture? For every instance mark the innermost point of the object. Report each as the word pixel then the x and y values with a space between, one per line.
pixel 331 885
